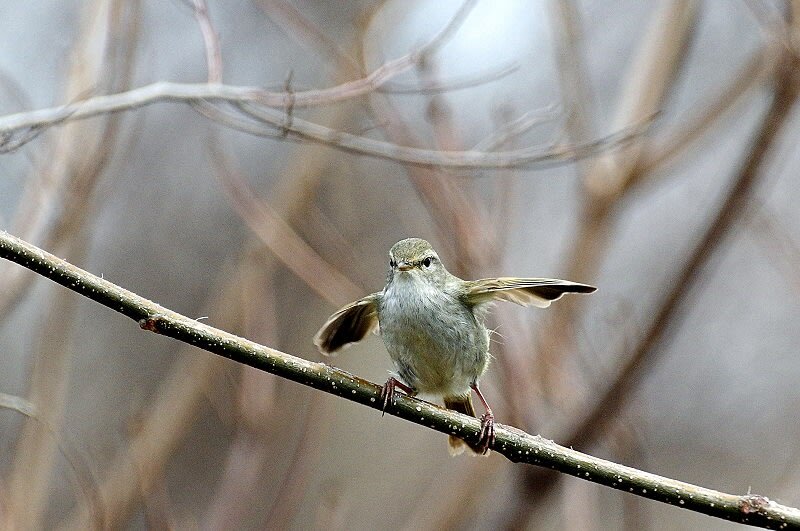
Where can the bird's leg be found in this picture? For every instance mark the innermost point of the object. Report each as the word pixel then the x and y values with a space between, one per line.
pixel 387 392
pixel 487 422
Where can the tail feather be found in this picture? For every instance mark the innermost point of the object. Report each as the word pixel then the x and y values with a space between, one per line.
pixel 462 404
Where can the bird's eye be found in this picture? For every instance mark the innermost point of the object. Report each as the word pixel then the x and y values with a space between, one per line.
pixel 427 261
pixel 392 263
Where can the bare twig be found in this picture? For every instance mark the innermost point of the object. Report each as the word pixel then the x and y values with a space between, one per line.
pixel 449 31
pixel 516 128
pixel 512 443
pixel 282 240
pixel 758 68
pixel 530 157
pixel 255 102
pixel 25 126
pixel 451 84
pixel 164 91
pixel 305 33
pixel 252 101
pixel 211 41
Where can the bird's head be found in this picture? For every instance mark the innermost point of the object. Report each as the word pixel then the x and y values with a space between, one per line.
pixel 414 258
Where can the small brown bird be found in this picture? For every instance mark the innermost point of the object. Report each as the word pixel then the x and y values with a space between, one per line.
pixel 432 325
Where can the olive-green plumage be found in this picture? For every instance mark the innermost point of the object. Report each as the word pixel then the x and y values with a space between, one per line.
pixel 432 325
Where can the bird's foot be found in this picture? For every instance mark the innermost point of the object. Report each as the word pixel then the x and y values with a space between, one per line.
pixel 487 432
pixel 387 392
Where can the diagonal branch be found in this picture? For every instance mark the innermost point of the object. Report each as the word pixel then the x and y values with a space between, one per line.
pixel 281 239
pixel 512 443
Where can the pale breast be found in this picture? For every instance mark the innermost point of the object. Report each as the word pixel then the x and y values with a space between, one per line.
pixel 435 342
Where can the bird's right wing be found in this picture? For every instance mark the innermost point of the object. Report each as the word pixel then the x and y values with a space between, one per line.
pixel 349 325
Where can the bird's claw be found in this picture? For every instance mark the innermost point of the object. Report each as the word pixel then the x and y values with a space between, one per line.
pixel 387 392
pixel 486 439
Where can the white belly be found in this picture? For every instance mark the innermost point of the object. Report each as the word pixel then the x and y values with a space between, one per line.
pixel 435 342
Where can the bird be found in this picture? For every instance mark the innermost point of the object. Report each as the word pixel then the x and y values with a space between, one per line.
pixel 432 325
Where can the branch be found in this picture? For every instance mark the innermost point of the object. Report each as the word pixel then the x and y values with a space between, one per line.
pixel 279 236
pixel 515 445
pixel 261 106
pixel 705 116
pixel 210 40
pixel 195 92
pixel 452 84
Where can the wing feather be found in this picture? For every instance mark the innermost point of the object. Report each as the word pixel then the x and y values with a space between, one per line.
pixel 348 325
pixel 523 291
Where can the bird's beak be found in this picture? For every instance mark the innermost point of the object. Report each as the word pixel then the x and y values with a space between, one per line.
pixel 404 266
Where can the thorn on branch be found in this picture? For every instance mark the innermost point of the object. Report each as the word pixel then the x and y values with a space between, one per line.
pixel 151 323
pixel 753 503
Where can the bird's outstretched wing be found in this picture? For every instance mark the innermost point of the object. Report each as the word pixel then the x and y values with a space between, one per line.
pixel 523 291
pixel 349 325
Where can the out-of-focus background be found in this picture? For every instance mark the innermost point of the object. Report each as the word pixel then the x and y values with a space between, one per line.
pixel 684 363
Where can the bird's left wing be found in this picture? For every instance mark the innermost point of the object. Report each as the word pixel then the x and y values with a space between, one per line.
pixel 523 291
pixel 349 325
